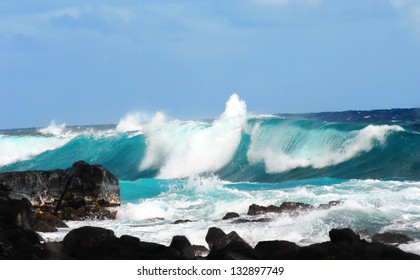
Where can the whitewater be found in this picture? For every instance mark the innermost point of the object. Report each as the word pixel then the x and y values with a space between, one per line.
pixel 199 170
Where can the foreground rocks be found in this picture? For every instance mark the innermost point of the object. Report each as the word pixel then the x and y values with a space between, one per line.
pixel 93 243
pixel 19 241
pixel 80 192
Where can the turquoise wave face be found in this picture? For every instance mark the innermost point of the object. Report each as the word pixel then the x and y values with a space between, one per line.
pixel 261 149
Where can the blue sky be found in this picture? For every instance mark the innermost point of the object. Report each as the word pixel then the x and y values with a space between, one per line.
pixel 92 62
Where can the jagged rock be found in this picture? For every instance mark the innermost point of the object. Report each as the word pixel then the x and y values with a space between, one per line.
pixel 230 215
pixel 182 245
pixel 87 184
pixel 76 186
pixel 216 239
pixel 330 204
pixel 276 250
pixel 391 238
pixel 228 246
pixel 286 207
pixel 295 207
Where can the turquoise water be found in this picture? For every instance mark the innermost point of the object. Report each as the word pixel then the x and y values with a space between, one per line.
pixel 199 170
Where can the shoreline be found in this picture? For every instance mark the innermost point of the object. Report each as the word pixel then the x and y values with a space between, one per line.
pixel 91 192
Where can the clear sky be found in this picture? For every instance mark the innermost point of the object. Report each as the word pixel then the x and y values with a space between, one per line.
pixel 92 62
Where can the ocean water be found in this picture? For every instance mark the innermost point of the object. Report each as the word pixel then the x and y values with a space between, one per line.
pixel 199 170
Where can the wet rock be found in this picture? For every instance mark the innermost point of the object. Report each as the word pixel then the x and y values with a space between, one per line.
pixel 291 208
pixel 295 207
pixel 82 184
pixel 391 238
pixel 255 209
pixel 230 215
pixel 330 204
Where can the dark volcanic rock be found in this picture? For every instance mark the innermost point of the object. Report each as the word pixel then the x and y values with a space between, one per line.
pixel 183 246
pixel 286 207
pixel 230 215
pixel 98 243
pixel 276 250
pixel 255 209
pixel 79 185
pixel 17 240
pixel 391 238
pixel 90 183
pixel 217 239
pixel 330 204
pixel 88 242
pixel 228 246
pixel 47 222
pixel 15 213
pixel 346 245
pixel 295 207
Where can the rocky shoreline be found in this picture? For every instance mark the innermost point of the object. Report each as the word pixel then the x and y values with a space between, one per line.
pixel 40 201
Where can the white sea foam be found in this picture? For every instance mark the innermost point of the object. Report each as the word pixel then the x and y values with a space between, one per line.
pixel 182 148
pixel 19 148
pixel 132 122
pixel 53 129
pixel 291 147
pixel 377 205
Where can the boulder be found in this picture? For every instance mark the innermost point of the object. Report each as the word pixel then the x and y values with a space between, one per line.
pixel 228 246
pixel 76 186
pixel 183 246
